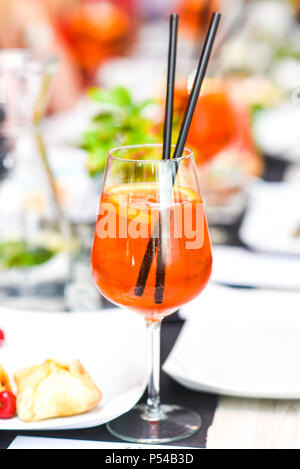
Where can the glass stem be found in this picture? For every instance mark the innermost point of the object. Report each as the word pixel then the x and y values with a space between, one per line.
pixel 153 410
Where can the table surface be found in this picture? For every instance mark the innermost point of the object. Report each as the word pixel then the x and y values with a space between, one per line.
pixel 226 422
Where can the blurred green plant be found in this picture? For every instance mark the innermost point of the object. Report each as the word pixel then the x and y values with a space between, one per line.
pixel 121 121
pixel 18 254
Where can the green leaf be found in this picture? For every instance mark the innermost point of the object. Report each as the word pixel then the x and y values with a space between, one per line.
pixel 121 122
pixel 104 117
pixel 18 254
pixel 122 96
pixel 96 161
pixel 117 97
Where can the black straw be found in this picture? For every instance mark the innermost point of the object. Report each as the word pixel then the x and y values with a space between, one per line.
pixel 200 74
pixel 199 77
pixel 168 124
pixel 155 245
pixel 170 86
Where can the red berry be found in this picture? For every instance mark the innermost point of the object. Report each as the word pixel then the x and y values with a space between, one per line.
pixel 2 336
pixel 7 404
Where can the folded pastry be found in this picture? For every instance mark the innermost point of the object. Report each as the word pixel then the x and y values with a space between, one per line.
pixel 4 380
pixel 53 389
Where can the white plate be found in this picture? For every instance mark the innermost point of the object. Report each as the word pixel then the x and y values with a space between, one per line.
pixel 241 267
pixel 277 132
pixel 240 343
pixel 273 218
pixel 110 344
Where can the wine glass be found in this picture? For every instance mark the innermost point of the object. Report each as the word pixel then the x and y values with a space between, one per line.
pixel 151 254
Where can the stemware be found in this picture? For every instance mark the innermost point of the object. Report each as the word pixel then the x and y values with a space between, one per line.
pixel 151 254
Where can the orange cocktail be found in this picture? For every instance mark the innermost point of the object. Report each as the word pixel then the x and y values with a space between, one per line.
pixel 133 211
pixel 96 31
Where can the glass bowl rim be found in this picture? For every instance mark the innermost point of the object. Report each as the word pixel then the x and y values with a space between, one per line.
pixel 147 145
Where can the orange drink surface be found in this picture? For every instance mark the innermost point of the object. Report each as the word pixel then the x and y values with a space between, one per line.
pixel 128 218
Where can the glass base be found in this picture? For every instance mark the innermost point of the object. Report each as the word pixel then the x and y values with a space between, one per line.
pixel 179 423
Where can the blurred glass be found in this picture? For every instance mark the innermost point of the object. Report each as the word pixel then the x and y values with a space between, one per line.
pixel 34 235
pixel 195 16
pixel 226 156
pixel 96 30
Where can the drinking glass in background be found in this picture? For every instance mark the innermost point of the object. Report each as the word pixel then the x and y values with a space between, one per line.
pixel 227 158
pixel 151 254
pixel 34 235
pixel 97 30
pixel 195 16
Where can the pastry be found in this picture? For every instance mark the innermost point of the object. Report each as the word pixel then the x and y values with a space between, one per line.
pixel 53 389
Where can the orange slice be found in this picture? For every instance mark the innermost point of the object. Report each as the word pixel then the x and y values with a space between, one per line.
pixel 140 201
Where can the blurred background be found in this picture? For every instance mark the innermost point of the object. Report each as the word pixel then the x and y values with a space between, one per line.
pixel 78 77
